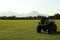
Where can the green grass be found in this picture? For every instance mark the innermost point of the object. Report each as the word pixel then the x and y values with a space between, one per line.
pixel 24 30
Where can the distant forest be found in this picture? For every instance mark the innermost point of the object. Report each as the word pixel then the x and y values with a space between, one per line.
pixel 56 16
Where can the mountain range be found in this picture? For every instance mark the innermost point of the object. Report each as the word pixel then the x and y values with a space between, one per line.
pixel 33 13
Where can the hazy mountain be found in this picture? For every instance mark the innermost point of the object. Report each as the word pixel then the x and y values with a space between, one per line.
pixel 9 13
pixel 33 13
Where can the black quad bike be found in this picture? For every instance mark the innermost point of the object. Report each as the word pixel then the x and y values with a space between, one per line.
pixel 49 27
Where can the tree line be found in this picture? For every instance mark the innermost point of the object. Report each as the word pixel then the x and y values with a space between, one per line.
pixel 56 16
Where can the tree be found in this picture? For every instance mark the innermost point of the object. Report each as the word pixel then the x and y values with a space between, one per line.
pixel 57 16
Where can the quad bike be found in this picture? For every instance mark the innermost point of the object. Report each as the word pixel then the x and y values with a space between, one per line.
pixel 49 27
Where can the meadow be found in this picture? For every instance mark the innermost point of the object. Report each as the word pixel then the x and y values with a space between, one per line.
pixel 24 30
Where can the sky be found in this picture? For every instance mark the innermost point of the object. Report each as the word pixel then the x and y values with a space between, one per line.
pixel 25 6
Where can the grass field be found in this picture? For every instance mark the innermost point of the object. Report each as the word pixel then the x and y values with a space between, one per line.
pixel 24 30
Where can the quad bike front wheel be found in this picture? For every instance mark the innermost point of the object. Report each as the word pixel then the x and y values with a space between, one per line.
pixel 39 29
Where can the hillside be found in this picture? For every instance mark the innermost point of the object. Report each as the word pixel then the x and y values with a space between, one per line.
pixel 33 13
